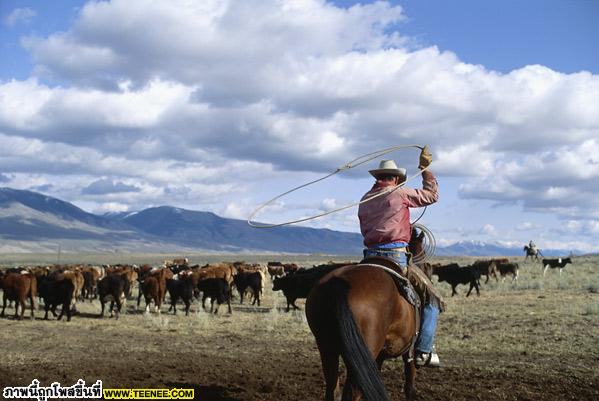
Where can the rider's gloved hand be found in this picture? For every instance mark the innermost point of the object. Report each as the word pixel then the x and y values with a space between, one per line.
pixel 426 158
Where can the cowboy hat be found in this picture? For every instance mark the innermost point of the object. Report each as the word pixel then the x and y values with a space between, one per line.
pixel 388 167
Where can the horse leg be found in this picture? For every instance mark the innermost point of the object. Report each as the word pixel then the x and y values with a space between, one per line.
pixel 453 291
pixel 330 369
pixel 409 368
pixel 350 391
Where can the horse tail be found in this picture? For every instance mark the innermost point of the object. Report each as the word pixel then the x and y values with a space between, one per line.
pixel 362 368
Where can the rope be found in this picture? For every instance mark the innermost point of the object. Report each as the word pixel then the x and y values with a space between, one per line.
pixel 429 246
pixel 354 163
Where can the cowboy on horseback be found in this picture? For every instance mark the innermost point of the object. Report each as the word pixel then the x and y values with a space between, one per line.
pixel 532 251
pixel 532 246
pixel 385 226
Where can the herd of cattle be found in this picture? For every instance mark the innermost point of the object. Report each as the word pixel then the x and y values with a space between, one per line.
pixel 65 285
pixel 454 274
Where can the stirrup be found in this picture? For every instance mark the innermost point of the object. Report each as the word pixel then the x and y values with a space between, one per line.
pixel 423 359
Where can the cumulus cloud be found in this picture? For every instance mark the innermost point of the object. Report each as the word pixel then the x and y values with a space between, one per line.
pixel 20 16
pixel 488 229
pixel 527 226
pixel 108 186
pixel 563 181
pixel 202 103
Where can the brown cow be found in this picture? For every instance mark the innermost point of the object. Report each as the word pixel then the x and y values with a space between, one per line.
pixel 275 271
pixel 143 272
pixel 154 287
pixel 219 270
pixel 130 272
pixel 18 287
pixel 91 275
pixel 486 268
pixel 176 262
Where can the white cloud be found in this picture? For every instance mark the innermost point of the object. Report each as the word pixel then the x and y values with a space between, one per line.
pixel 198 100
pixel 488 229
pixel 20 16
pixel 527 226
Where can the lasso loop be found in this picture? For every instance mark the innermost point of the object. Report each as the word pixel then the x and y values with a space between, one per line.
pixel 347 166
pixel 429 247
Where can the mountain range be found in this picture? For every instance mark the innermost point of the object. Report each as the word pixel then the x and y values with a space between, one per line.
pixel 34 222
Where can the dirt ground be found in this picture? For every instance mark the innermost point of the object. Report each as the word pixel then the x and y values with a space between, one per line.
pixel 534 340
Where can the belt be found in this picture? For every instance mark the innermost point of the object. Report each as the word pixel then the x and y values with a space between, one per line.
pixel 403 249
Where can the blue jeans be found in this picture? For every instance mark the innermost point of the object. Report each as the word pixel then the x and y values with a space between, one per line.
pixel 430 313
pixel 428 327
pixel 400 257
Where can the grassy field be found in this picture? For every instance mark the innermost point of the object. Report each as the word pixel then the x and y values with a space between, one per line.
pixel 536 339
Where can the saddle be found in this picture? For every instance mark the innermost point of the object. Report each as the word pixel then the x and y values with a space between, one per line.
pixel 403 284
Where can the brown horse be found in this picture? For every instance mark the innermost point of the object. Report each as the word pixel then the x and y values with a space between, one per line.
pixel 357 312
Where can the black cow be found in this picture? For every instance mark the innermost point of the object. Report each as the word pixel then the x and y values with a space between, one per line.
pixel 558 263
pixel 508 268
pixel 54 293
pixel 453 274
pixel 182 288
pixel 298 285
pixel 294 287
pixel 113 288
pixel 251 280
pixel 216 289
pixel 88 286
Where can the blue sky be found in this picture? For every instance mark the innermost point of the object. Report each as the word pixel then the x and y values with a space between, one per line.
pixel 510 34
pixel 218 106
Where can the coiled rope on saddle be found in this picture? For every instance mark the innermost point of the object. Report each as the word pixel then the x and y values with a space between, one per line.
pixel 429 246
